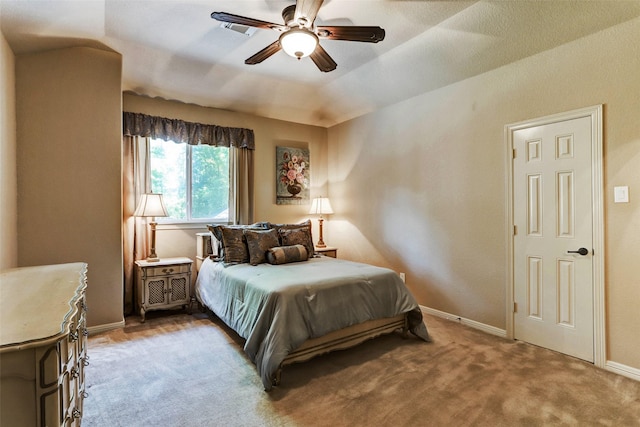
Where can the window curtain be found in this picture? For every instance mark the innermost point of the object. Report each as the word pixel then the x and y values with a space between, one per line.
pixel 138 129
pixel 241 181
pixel 187 132
pixel 136 180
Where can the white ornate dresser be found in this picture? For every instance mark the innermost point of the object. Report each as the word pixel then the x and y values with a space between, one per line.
pixel 43 352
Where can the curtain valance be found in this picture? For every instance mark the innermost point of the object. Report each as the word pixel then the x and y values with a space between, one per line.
pixel 137 124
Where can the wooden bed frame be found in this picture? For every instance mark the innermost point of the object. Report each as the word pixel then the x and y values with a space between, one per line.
pixel 337 340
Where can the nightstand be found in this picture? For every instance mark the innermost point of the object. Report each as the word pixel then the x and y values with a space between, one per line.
pixel 163 284
pixel 327 251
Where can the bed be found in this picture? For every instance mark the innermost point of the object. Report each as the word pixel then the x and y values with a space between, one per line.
pixel 292 311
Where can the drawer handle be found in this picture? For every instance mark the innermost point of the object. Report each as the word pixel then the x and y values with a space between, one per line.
pixel 167 270
pixel 76 413
pixel 73 336
pixel 85 332
pixel 75 373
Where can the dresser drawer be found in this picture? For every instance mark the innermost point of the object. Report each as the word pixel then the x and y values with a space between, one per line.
pixel 168 269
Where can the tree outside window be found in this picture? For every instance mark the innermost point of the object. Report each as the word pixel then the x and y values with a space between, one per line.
pixel 193 179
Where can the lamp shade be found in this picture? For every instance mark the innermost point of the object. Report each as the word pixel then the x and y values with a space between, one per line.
pixel 298 42
pixel 151 204
pixel 321 206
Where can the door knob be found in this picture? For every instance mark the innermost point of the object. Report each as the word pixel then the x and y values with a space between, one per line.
pixel 581 251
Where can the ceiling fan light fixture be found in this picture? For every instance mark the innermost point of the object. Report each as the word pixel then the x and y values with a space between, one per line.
pixel 299 42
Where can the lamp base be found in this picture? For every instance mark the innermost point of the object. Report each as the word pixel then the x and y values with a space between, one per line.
pixel 153 257
pixel 320 243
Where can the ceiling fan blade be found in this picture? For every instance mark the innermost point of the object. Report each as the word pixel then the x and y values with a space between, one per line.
pixel 249 22
pixel 306 11
pixel 323 61
pixel 264 53
pixel 351 33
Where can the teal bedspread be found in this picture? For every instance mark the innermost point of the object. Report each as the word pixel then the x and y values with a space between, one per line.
pixel 276 308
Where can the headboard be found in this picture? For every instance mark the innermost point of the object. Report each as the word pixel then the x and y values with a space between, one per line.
pixel 203 248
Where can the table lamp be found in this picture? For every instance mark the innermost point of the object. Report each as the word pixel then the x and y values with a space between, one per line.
pixel 321 206
pixel 151 205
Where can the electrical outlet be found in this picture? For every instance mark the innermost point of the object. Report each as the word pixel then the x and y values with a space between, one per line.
pixel 402 276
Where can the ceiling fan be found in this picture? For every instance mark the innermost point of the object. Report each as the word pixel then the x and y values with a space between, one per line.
pixel 300 37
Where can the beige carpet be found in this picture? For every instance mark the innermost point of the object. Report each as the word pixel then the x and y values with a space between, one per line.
pixel 181 370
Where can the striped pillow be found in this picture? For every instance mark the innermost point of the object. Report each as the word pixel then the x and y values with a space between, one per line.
pixel 287 254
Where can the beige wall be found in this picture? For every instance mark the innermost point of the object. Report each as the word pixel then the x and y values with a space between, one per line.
pixel 420 186
pixel 180 241
pixel 8 174
pixel 69 126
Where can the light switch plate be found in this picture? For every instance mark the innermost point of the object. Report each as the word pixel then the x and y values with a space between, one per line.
pixel 621 194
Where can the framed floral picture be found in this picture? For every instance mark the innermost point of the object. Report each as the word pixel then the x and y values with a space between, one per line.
pixel 293 173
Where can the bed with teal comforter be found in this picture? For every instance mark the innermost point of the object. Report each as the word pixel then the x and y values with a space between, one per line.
pixel 276 308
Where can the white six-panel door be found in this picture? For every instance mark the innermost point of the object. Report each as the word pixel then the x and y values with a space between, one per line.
pixel 553 283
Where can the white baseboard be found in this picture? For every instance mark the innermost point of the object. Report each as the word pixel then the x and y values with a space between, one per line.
pixel 472 323
pixel 624 370
pixel 106 327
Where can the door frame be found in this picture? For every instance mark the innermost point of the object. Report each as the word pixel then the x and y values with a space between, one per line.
pixel 595 114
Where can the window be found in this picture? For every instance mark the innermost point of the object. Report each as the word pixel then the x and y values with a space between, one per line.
pixel 193 179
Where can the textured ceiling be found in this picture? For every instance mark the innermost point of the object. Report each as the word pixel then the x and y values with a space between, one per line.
pixel 174 50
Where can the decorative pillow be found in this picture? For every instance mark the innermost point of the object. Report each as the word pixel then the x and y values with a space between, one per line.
pixel 304 225
pixel 214 232
pixel 234 247
pixel 259 242
pixel 215 244
pixel 213 228
pixel 297 236
pixel 279 227
pixel 286 254
pixel 213 248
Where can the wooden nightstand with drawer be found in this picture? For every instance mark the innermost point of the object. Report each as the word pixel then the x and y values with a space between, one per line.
pixel 327 251
pixel 163 284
